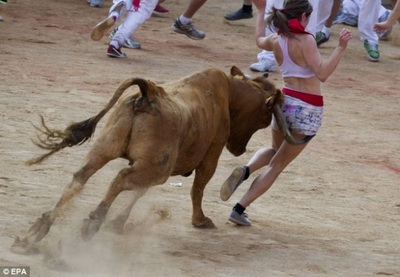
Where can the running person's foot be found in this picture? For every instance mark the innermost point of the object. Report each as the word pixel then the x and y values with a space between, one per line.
pixel 96 3
pixel 113 52
pixel 160 11
pixel 232 183
pixel 372 51
pixel 187 29
pixel 239 219
pixel 239 14
pixel 99 30
pixel 321 38
pixel 264 65
pixel 128 43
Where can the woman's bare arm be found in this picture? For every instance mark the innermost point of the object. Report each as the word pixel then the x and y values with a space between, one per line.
pixel 262 41
pixel 384 26
pixel 323 69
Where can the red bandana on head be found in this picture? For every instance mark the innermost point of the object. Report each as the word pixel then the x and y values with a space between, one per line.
pixel 295 27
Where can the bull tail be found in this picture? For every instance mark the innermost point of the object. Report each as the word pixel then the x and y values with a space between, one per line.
pixel 78 133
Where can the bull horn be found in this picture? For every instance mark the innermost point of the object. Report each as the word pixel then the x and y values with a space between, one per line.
pixel 280 120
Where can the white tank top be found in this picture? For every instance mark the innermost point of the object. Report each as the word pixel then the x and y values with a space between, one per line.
pixel 288 67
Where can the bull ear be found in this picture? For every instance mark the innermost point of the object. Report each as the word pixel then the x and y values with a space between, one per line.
pixel 277 98
pixel 235 71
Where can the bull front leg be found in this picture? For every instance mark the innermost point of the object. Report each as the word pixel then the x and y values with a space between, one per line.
pixel 199 220
pixel 204 173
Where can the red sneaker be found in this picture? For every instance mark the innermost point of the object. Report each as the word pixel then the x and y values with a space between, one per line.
pixel 114 52
pixel 160 11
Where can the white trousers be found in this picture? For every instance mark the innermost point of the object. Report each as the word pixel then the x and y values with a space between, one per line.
pixel 133 19
pixel 368 16
pixel 322 13
pixel 352 7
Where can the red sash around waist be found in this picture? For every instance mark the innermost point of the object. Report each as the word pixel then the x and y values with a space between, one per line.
pixel 312 99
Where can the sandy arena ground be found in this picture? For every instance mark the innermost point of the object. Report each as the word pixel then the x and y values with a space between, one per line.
pixel 334 212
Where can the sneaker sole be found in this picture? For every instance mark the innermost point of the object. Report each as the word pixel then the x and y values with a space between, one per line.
pixel 231 219
pixel 237 18
pixel 179 31
pixel 99 30
pixel 257 70
pixel 262 71
pixel 372 59
pixel 231 184
pixel 131 46
pixel 115 56
pixel 158 14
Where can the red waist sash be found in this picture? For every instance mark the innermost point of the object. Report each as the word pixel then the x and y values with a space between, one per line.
pixel 312 99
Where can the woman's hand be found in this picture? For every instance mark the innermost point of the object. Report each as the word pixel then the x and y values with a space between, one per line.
pixel 382 27
pixel 344 37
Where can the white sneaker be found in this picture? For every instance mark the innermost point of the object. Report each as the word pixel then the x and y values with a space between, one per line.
pixel 131 43
pixel 264 65
pixel 128 43
pixel 96 3
pixel 241 220
pixel 118 7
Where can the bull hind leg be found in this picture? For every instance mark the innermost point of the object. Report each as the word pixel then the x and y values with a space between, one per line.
pixel 123 181
pixel 117 224
pixel 150 168
pixel 43 224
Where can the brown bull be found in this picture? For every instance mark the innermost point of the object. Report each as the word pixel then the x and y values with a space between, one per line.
pixel 162 132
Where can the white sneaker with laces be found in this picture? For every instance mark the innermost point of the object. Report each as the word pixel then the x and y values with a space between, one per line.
pixel 187 29
pixel 128 43
pixel 131 43
pixel 264 65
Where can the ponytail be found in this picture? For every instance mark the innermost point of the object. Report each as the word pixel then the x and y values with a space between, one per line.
pixel 278 18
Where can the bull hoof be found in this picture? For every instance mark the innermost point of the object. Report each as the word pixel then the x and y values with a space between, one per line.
pixel 24 247
pixel 40 228
pixel 58 264
pixel 205 223
pixel 116 225
pixel 90 227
